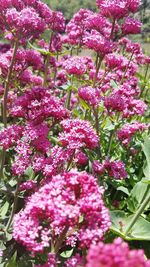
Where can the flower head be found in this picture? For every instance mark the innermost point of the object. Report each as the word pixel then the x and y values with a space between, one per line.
pixel 62 203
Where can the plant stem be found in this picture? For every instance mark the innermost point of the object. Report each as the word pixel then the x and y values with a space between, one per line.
pixel 110 142
pixel 46 70
pixel 112 29
pixel 98 65
pixel 4 106
pixel 112 136
pixel 47 61
pixel 60 240
pixel 7 83
pixel 14 205
pixel 122 80
pixel 97 126
pixel 69 95
pixel 144 85
pixel 137 214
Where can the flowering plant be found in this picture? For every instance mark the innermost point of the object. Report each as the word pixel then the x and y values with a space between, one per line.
pixel 74 137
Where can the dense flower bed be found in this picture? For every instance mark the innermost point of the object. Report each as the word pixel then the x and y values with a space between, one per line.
pixel 73 133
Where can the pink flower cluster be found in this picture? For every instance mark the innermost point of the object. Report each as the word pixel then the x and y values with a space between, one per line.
pixel 116 254
pixel 76 28
pixel 75 66
pixel 38 104
pixel 98 43
pixel 26 19
pixel 127 132
pixel 71 204
pixel 90 95
pixel 115 169
pixel 10 135
pixel 78 134
pixel 117 9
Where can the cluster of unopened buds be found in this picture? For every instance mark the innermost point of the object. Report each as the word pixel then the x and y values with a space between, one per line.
pixel 57 107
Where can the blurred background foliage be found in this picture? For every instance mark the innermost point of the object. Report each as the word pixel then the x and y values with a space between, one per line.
pixel 69 7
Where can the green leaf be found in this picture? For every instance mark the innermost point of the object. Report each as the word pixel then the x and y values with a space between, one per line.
pixel 67 254
pixel 124 190
pixel 146 150
pixel 137 195
pixel 113 84
pixel 12 262
pixel 120 221
pixel 84 104
pixel 30 173
pixel 4 209
pixel 42 51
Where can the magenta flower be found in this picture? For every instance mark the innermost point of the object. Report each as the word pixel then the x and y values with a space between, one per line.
pixel 116 169
pixel 38 104
pixel 117 254
pixel 117 9
pixel 61 205
pixel 75 66
pixel 78 133
pixel 90 95
pixel 98 43
pixel 131 26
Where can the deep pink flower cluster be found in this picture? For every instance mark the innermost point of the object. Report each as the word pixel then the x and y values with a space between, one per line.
pixel 115 169
pixel 117 254
pixel 55 163
pixel 34 137
pixel 27 19
pixel 131 26
pixel 127 132
pixel 75 66
pixel 90 95
pixel 98 43
pixel 114 61
pixel 78 133
pixel 38 104
pixel 30 185
pixel 25 23
pixel 10 135
pixel 26 62
pixel 117 9
pixel 71 204
pixel 128 106
pixel 76 28
pixel 99 23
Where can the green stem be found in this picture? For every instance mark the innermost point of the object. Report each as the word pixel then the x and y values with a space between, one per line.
pixel 112 29
pixel 47 61
pixel 144 85
pixel 97 126
pixel 4 105
pixel 46 70
pixel 68 99
pixel 112 136
pixel 98 65
pixel 7 83
pixel 3 157
pixel 14 206
pixel 122 80
pixel 137 214
pixel 110 143
pixel 69 95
